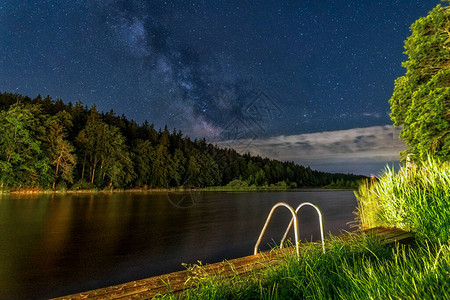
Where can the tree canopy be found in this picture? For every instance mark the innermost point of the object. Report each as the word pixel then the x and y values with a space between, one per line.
pixel 421 99
pixel 48 144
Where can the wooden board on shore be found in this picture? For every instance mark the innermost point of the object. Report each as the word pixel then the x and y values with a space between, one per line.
pixel 176 282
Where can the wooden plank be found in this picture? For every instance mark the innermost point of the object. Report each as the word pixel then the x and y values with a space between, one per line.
pixel 395 235
pixel 176 282
pixel 388 234
pixel 180 287
pixel 403 238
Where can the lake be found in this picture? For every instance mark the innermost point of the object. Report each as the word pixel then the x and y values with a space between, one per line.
pixel 52 245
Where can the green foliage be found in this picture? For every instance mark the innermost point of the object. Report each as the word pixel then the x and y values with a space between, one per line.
pixel 83 185
pixel 90 140
pixel 178 168
pixel 46 143
pixel 237 184
pixel 60 150
pixel 281 185
pixel 421 99
pixel 343 184
pixel 116 164
pixel 163 164
pixel 21 152
pixel 144 156
pixel 104 144
pixel 413 199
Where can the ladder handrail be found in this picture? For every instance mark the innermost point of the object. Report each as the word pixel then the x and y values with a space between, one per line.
pixel 320 222
pixel 294 219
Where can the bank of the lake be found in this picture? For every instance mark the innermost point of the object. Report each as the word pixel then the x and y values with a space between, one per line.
pixel 179 189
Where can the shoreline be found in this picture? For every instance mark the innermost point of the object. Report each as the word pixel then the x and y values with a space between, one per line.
pixel 167 190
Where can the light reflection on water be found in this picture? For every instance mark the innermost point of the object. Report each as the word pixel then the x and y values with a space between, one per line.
pixel 52 245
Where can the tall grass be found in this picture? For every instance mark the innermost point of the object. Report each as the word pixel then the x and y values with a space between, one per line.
pixel 362 270
pixel 416 199
pixel 350 269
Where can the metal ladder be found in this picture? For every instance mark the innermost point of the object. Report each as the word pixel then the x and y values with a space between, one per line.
pixel 293 220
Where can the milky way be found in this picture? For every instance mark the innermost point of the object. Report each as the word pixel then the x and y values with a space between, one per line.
pixel 198 65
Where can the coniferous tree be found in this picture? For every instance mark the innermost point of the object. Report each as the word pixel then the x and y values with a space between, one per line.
pixel 116 163
pixel 178 168
pixel 144 156
pixel 162 166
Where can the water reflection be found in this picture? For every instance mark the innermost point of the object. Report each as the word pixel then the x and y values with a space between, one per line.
pixel 51 245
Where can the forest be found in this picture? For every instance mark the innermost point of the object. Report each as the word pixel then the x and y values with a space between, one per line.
pixel 48 144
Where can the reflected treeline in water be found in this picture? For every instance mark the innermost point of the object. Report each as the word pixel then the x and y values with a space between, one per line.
pixel 21 223
pixel 51 245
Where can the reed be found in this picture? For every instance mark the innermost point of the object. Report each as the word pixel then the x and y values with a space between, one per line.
pixel 416 199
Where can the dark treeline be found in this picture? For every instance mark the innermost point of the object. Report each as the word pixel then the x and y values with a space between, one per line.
pixel 49 144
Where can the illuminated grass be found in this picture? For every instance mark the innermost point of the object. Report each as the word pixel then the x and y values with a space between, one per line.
pixel 350 269
pixel 415 199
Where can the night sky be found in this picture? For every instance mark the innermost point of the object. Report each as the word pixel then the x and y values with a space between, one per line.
pixel 263 75
pixel 200 65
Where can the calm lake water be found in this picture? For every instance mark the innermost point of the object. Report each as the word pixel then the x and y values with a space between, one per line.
pixel 53 245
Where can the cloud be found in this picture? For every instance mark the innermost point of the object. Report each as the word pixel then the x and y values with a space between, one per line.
pixel 351 150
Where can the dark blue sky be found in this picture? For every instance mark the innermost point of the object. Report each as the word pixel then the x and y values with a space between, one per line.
pixel 196 65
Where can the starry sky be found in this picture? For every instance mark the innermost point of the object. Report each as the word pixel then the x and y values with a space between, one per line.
pixel 269 68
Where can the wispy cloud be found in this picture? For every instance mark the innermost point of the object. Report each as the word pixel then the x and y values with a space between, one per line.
pixel 358 150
